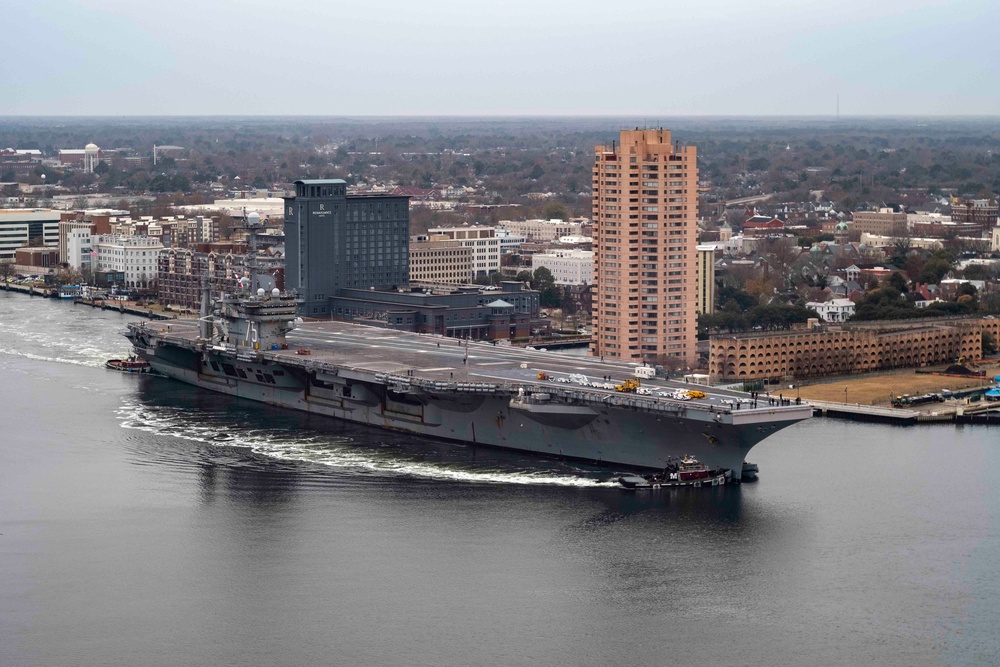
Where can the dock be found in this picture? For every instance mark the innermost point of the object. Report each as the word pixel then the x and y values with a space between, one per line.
pixel 30 290
pixel 125 307
pixel 959 413
pixel 865 413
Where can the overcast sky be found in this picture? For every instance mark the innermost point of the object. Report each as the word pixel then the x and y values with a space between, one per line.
pixel 473 57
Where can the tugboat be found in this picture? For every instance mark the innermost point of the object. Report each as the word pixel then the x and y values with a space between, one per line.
pixel 688 471
pixel 129 365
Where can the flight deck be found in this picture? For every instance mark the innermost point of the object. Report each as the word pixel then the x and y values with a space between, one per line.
pixel 441 359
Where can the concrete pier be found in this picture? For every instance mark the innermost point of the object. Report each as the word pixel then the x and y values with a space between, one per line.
pixel 972 413
pixel 125 307
pixel 30 290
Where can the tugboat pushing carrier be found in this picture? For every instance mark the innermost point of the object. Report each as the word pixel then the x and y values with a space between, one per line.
pixel 687 471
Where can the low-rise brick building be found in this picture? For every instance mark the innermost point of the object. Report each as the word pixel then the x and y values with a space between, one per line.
pixel 848 348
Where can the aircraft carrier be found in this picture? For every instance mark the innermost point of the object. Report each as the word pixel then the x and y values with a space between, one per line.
pixel 472 392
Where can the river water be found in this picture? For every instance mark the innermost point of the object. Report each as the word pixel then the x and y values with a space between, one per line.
pixel 145 522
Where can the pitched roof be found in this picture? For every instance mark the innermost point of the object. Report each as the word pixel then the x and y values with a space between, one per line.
pixel 415 192
pixel 760 221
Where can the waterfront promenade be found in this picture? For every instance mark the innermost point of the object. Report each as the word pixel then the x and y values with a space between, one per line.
pixel 30 290
pixel 129 307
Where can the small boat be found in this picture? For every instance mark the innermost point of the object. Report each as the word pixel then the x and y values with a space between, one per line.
pixel 70 292
pixel 750 470
pixel 688 471
pixel 128 365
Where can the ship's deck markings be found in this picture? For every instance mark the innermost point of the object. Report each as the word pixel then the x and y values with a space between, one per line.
pixel 383 366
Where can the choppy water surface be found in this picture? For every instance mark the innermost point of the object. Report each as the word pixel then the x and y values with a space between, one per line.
pixel 144 522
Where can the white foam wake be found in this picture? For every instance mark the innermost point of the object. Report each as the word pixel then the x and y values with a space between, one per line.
pixel 328 450
pixel 89 363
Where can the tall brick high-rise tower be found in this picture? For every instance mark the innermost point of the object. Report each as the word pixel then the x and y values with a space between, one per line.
pixel 645 233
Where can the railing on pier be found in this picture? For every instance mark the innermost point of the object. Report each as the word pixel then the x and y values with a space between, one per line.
pixel 870 411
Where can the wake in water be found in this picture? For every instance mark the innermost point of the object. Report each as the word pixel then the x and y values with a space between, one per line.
pixel 43 330
pixel 338 452
pixel 93 362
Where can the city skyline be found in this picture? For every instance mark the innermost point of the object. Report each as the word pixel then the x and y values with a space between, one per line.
pixel 388 58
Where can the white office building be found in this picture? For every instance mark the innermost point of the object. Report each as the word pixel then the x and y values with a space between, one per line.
pixel 484 243
pixel 135 256
pixel 541 230
pixel 20 226
pixel 509 242
pixel 75 244
pixel 568 267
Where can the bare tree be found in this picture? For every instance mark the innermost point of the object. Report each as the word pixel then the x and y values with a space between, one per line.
pixel 737 275
pixel 735 217
pixel 762 287
pixel 6 270
pixel 781 253
pixel 69 276
pixel 226 224
pixel 670 364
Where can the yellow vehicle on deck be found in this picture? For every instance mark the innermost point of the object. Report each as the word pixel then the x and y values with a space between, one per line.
pixel 695 394
pixel 629 385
